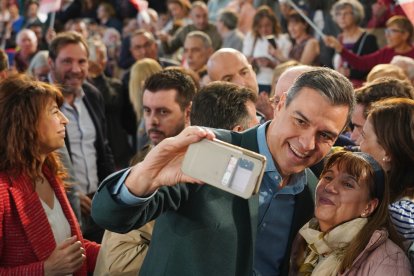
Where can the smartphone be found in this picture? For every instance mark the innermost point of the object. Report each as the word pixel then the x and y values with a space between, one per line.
pixel 272 41
pixel 225 166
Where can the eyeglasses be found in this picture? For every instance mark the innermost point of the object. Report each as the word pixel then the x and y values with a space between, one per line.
pixel 389 31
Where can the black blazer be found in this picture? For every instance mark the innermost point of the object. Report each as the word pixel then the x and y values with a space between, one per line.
pixel 95 104
pixel 199 229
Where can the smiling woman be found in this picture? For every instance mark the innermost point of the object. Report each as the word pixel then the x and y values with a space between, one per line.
pixel 40 234
pixel 351 233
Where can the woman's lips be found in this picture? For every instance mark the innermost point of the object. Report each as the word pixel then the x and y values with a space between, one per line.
pixel 325 201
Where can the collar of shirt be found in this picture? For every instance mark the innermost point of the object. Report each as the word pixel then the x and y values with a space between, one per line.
pixel 77 102
pixel 297 181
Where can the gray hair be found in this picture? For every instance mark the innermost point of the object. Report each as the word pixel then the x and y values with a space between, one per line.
pixel 229 18
pixel 406 63
pixel 28 32
pixel 332 85
pixel 39 60
pixel 199 4
pixel 357 9
pixel 202 36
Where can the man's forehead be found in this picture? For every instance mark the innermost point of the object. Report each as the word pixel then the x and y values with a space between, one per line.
pixel 193 42
pixel 230 63
pixel 72 50
pixel 139 38
pixel 161 94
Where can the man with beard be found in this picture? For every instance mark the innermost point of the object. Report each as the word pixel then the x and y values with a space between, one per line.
pixel 167 103
pixel 238 236
pixel 86 139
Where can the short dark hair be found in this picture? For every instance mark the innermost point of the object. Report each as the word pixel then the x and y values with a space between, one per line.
pixel 222 105
pixel 229 19
pixel 380 89
pixel 296 17
pixel 4 61
pixel 332 85
pixel 173 79
pixel 64 39
pixel 143 32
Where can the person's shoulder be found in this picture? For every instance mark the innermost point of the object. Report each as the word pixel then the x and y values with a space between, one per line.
pixel 89 88
pixel 382 248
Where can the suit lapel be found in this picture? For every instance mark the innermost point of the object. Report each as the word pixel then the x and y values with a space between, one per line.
pixel 32 217
pixel 249 141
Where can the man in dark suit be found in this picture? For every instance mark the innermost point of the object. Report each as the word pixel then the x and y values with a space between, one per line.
pixel 205 231
pixel 86 139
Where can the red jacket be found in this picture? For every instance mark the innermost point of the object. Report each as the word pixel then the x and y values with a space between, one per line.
pixel 26 238
pixel 367 62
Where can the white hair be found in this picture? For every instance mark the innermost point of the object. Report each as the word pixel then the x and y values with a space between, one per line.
pixel 27 32
pixel 405 63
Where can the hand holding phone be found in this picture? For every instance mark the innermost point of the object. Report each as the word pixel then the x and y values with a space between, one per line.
pixel 272 41
pixel 225 166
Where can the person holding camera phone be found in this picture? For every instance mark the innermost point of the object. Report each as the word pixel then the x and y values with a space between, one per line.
pixel 205 231
pixel 256 46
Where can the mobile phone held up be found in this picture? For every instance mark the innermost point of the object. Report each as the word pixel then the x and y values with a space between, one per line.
pixel 225 166
pixel 272 40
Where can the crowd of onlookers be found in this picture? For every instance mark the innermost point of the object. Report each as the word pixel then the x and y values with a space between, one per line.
pixel 102 85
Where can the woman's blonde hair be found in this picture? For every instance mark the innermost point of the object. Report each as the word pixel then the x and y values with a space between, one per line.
pixel 140 71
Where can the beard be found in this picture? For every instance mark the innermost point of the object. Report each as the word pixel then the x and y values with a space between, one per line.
pixel 154 130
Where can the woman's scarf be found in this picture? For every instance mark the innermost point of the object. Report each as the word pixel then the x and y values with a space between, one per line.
pixel 326 250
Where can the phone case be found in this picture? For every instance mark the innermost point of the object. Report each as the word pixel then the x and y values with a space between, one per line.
pixel 225 166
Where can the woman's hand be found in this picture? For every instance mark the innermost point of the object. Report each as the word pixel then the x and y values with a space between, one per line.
pixel 332 42
pixel 162 165
pixel 67 258
pixel 276 53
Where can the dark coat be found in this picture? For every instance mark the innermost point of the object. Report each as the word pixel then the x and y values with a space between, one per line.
pixel 200 230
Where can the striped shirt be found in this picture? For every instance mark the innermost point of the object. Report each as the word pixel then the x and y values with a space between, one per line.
pixel 402 215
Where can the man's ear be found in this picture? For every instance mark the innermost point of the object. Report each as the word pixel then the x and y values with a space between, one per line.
pixel 187 112
pixel 237 128
pixel 280 104
pixel 50 62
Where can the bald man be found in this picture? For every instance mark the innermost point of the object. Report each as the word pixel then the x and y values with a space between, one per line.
pixel 287 79
pixel 230 65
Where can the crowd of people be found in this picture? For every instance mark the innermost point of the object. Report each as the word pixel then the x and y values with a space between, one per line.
pixel 99 104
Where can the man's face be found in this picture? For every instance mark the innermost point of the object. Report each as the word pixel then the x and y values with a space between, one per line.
pixel 81 28
pixel 27 44
pixel 70 67
pixel 301 134
pixel 234 68
pixel 195 53
pixel 163 115
pixel 358 121
pixel 142 47
pixel 199 16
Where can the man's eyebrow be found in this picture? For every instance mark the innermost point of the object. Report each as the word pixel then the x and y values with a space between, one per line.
pixel 226 76
pixel 303 117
